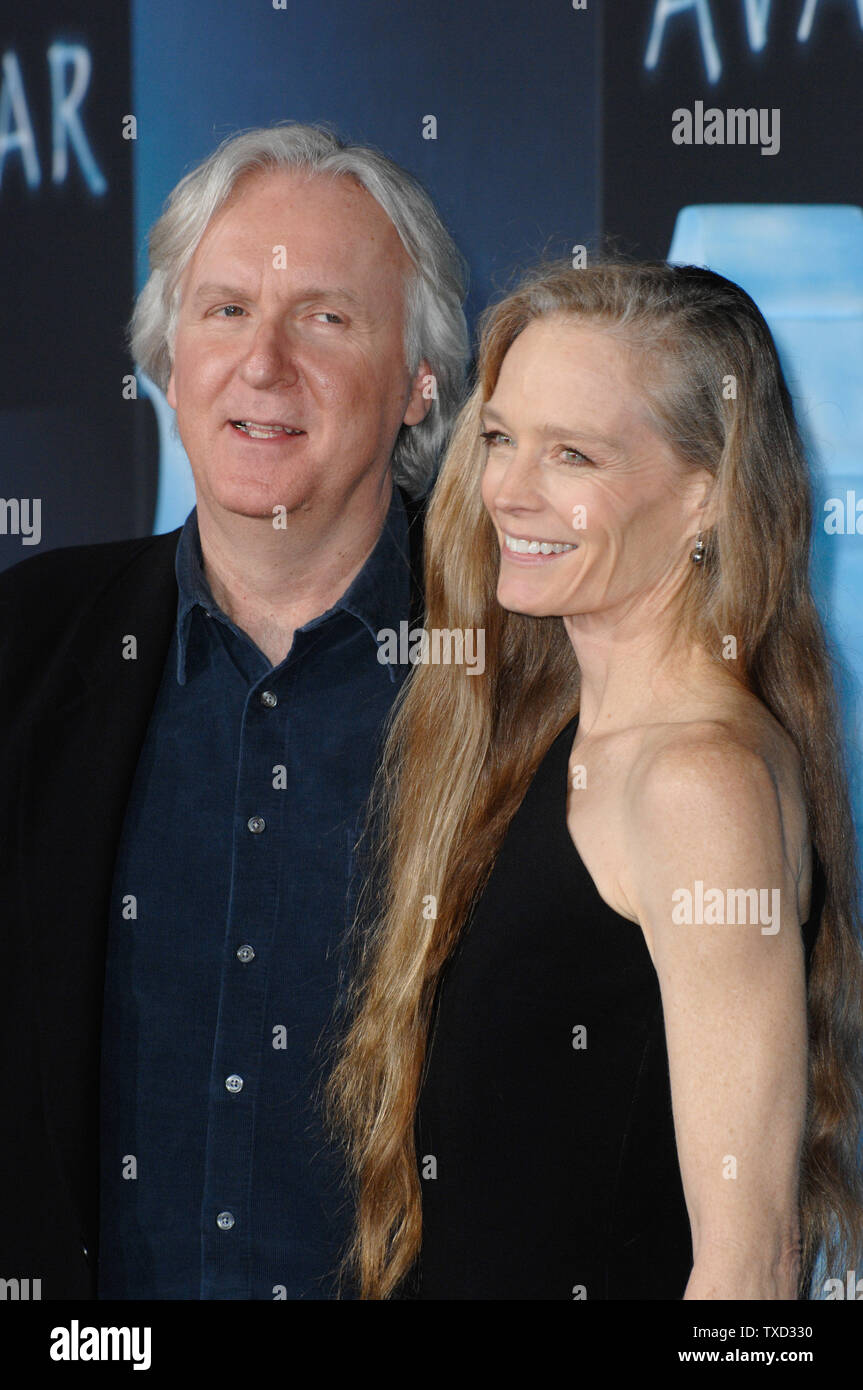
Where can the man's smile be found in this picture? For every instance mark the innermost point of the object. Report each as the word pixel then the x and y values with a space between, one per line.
pixel 255 429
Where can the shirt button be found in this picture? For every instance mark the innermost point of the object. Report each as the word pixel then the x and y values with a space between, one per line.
pixel 224 1221
pixel 256 824
pixel 269 699
pixel 234 1082
pixel 245 954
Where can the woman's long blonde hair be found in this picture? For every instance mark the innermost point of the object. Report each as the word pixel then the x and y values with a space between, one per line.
pixel 462 749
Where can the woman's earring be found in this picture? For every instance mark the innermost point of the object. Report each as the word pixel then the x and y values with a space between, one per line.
pixel 698 552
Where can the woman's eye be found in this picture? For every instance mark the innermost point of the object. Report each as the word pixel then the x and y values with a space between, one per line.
pixel 492 437
pixel 230 310
pixel 576 456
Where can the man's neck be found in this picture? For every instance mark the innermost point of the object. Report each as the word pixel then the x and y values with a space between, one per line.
pixel 270 581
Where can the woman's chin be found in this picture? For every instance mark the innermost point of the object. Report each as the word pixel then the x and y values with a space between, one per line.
pixel 517 599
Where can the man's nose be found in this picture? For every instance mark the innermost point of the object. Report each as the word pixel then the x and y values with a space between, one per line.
pixel 271 358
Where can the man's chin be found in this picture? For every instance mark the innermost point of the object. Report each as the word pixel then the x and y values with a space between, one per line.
pixel 252 506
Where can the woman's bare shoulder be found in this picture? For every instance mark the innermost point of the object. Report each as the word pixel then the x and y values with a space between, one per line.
pixel 736 775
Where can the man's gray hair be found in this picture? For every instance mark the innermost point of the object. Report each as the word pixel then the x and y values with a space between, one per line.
pixel 435 327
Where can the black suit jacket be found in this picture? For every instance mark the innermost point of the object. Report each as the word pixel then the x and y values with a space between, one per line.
pixel 73 716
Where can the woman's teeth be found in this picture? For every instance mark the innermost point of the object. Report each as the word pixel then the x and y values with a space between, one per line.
pixel 522 547
pixel 255 431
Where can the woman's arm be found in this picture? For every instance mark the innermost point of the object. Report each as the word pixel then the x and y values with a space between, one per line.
pixel 734 1001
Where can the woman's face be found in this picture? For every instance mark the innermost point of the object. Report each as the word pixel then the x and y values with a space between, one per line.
pixel 574 464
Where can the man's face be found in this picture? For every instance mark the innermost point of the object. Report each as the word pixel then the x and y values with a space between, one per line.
pixel 303 342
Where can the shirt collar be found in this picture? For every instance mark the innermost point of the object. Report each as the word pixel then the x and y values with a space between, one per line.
pixel 378 597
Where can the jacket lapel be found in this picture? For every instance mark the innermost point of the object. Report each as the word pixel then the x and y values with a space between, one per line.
pixel 78 770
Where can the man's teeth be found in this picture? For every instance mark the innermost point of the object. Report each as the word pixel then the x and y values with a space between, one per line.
pixel 255 431
pixel 522 547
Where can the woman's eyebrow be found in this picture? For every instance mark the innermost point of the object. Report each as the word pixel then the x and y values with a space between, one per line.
pixel 490 415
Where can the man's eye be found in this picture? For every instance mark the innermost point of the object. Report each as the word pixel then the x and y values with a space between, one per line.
pixel 231 310
pixel 492 437
pixel 328 317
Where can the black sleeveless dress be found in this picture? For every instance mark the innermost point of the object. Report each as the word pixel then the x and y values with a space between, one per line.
pixel 545 1138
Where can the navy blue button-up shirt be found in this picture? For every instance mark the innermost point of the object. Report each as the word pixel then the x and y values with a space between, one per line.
pixel 232 895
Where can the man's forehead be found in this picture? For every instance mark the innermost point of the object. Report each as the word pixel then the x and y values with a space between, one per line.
pixel 321 218
pixel 303 196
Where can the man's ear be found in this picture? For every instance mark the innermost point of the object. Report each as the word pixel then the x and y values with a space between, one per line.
pixel 423 391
